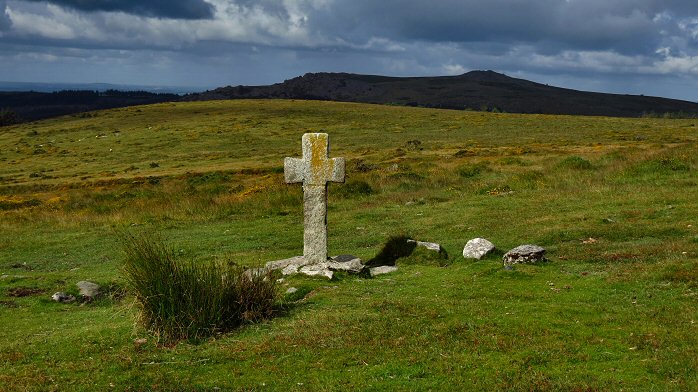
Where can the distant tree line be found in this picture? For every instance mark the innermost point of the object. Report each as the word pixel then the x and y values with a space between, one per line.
pixel 32 105
pixel 8 117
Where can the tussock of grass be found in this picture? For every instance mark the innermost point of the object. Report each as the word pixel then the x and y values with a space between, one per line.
pixel 182 300
pixel 576 163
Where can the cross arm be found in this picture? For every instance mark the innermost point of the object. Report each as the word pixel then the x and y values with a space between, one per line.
pixel 293 170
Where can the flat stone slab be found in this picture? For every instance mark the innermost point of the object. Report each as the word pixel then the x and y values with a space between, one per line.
pixel 317 270
pixel 347 263
pixel 297 261
pixel 385 269
pixel 298 265
pixel 429 245
pixel 524 254
pixel 477 248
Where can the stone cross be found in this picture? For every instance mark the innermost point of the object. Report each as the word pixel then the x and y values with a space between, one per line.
pixel 314 170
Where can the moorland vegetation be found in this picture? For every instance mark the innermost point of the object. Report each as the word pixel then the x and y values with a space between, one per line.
pixel 612 199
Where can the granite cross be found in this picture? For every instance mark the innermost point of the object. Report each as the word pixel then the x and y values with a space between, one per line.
pixel 314 170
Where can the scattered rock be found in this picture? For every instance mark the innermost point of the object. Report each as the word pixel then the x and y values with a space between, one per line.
pixel 429 245
pixel 63 297
pixel 88 290
pixel 4 276
pixel 524 254
pixel 385 269
pixel 291 290
pixel 477 248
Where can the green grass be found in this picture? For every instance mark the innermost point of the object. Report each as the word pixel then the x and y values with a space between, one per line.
pixel 613 201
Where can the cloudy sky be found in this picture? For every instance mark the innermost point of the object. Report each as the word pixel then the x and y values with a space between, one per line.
pixel 625 46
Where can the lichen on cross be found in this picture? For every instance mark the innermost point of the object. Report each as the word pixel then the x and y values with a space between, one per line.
pixel 314 170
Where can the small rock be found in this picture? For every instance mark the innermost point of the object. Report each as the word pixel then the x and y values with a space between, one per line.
pixel 291 290
pixel 429 245
pixel 63 297
pixel 524 254
pixel 477 248
pixel 385 269
pixel 88 290
pixel 4 276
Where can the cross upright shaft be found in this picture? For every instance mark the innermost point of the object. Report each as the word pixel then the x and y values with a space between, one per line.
pixel 314 170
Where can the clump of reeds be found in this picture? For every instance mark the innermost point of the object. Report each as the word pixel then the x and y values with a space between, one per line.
pixel 184 300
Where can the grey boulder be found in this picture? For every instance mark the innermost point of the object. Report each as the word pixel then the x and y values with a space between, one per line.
pixel 88 290
pixel 524 254
pixel 477 248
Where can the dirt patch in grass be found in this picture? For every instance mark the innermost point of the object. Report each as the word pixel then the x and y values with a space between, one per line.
pixel 19 292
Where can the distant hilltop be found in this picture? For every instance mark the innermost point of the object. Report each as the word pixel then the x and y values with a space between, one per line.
pixel 476 90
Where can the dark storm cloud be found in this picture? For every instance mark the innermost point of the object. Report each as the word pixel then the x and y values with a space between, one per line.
pixel 624 26
pixel 174 9
pixel 609 42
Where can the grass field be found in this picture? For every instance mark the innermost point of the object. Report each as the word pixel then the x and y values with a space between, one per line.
pixel 613 200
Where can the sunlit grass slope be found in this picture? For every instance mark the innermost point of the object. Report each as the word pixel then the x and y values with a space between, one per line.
pixel 613 200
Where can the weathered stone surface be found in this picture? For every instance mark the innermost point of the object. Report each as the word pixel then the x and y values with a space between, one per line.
pixel 348 263
pixel 385 269
pixel 524 254
pixel 290 269
pixel 288 266
pixel 314 170
pixel 62 297
pixel 291 290
pixel 429 245
pixel 298 264
pixel 317 270
pixel 88 290
pixel 477 248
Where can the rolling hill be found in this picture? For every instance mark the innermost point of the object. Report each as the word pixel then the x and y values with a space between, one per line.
pixel 476 90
